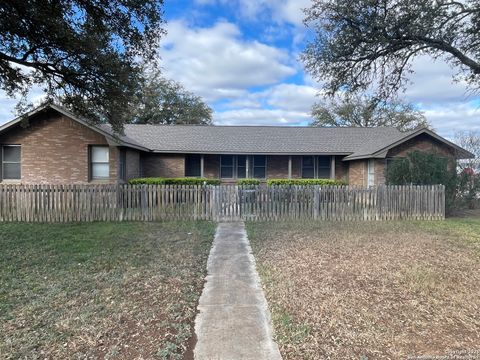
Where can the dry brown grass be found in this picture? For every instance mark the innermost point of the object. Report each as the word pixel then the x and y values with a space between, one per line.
pixel 371 290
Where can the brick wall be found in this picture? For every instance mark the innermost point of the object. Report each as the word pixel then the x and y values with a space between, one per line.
pixel 277 167
pixel 357 173
pixel 380 167
pixel 163 165
pixel 55 150
pixel 341 169
pixel 132 158
pixel 421 142
pixel 358 169
pixel 211 168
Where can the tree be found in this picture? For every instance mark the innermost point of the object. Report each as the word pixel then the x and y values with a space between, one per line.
pixel 469 140
pixel 362 111
pixel 88 53
pixel 362 43
pixel 162 101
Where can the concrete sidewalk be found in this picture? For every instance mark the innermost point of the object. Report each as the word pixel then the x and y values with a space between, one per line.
pixel 233 320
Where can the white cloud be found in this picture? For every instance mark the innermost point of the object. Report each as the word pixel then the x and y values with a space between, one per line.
pixel 281 11
pixel 432 81
pixel 282 104
pixel 216 63
pixel 247 116
pixel 291 97
pixel 7 104
pixel 448 118
pixel 292 10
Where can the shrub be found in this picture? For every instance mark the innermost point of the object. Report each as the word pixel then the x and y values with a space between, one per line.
pixel 304 182
pixel 173 181
pixel 469 187
pixel 420 168
pixel 248 182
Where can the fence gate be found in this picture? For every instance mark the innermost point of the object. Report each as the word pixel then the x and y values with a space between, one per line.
pixel 227 203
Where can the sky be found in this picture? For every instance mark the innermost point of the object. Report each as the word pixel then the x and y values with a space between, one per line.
pixel 242 57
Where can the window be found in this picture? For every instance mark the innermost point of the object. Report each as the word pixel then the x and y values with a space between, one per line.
pixel 308 167
pixel 259 166
pixel 11 162
pixel 241 166
pixel 324 165
pixel 316 167
pixel 371 172
pixel 193 165
pixel 99 162
pixel 123 164
pixel 226 166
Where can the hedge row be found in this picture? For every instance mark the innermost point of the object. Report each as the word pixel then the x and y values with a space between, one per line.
pixel 304 182
pixel 202 181
pixel 173 181
pixel 248 182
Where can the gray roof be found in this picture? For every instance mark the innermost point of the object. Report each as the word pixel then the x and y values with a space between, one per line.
pixel 354 142
pixel 260 139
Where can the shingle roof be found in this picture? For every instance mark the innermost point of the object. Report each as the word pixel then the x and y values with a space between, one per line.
pixel 260 139
pixel 355 142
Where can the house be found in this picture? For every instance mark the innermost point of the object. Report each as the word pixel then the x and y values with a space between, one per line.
pixel 50 145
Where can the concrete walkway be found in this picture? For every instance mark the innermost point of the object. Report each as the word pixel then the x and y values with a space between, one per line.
pixel 233 320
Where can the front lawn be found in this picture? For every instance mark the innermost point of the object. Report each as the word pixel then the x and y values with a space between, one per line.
pixel 100 290
pixel 372 290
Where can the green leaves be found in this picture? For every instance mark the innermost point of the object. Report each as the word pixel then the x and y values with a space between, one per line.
pixel 163 101
pixel 288 182
pixel 423 168
pixel 362 111
pixel 420 168
pixel 371 44
pixel 174 181
pixel 89 54
pixel 243 182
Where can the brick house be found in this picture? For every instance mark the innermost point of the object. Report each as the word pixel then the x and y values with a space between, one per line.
pixel 52 146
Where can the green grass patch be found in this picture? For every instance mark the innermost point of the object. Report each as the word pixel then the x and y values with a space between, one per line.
pixel 121 290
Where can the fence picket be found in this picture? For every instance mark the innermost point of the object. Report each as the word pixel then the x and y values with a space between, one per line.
pixel 67 203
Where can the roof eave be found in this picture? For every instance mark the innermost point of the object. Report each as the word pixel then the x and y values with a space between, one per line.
pixel 248 153
pixel 460 153
pixel 363 156
pixel 117 141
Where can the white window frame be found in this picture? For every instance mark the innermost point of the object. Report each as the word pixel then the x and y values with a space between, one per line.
pixel 371 172
pixel 11 162
pixel 91 163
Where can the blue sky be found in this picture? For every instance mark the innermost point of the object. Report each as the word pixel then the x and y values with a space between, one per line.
pixel 241 56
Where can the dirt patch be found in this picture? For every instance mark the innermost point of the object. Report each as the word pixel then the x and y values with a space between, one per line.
pixel 385 290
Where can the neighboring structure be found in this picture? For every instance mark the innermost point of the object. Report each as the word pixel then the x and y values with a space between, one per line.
pixel 50 145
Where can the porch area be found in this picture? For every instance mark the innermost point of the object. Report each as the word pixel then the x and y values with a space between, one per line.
pixel 232 167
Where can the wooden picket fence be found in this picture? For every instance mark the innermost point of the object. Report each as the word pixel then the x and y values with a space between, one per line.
pixel 84 203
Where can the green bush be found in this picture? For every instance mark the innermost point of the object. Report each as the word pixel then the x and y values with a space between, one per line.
pixel 173 181
pixel 304 182
pixel 420 168
pixel 248 182
pixel 468 188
